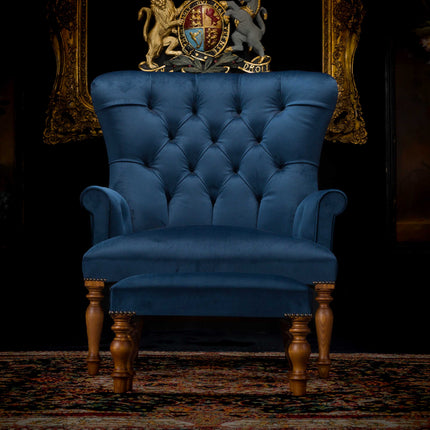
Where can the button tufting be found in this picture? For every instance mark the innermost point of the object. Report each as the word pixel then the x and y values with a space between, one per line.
pixel 205 147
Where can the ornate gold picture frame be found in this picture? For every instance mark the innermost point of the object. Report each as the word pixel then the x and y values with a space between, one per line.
pixel 70 115
pixel 341 29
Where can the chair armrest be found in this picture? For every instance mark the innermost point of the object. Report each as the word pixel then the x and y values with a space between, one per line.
pixel 110 214
pixel 315 216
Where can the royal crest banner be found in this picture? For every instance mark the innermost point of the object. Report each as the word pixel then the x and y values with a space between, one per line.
pixel 204 36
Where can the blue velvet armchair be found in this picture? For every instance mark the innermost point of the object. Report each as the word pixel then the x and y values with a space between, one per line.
pixel 213 207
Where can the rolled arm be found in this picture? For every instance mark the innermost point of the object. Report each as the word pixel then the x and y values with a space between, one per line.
pixel 110 214
pixel 315 216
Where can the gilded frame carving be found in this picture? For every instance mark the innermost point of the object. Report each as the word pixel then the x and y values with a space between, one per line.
pixel 341 32
pixel 70 115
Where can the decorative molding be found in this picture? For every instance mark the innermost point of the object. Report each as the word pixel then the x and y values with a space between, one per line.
pixel 70 114
pixel 341 32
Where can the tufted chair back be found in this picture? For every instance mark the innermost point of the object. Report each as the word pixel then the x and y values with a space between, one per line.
pixel 214 149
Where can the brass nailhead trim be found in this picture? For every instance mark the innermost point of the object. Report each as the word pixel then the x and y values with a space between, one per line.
pixel 297 315
pixel 127 313
pixel 323 282
pixel 95 279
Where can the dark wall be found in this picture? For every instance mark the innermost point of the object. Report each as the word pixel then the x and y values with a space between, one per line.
pixel 378 303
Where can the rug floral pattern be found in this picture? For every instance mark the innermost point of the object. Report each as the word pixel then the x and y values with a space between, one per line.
pixel 213 391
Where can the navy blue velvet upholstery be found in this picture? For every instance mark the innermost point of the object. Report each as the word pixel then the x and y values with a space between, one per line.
pixel 219 294
pixel 213 173
pixel 211 249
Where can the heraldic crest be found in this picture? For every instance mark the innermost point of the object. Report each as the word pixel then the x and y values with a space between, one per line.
pixel 204 36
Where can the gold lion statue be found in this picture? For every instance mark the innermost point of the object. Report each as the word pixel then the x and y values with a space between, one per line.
pixel 160 35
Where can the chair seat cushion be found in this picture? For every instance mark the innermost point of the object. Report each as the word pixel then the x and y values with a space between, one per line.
pixel 209 248
pixel 211 294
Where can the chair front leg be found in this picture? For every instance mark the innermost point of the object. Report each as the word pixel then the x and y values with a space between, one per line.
pixel 94 319
pixel 299 352
pixel 122 350
pixel 324 326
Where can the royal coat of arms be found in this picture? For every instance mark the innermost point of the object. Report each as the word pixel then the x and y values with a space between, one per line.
pixel 204 36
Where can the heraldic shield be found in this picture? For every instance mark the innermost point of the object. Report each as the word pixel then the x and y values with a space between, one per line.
pixel 204 28
pixel 209 39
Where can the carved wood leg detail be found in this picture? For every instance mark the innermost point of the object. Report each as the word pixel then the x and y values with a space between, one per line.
pixel 299 352
pixel 94 319
pixel 324 327
pixel 121 349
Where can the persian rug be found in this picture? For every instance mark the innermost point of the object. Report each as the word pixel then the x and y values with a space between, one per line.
pixel 213 390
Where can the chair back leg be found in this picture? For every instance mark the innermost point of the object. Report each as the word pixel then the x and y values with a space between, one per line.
pixel 94 319
pixel 287 337
pixel 324 326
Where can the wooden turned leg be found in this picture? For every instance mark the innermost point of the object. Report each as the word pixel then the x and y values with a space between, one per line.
pixel 299 352
pixel 324 327
pixel 94 319
pixel 287 338
pixel 121 349
pixel 135 336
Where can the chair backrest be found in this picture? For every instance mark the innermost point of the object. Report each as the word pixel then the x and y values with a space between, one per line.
pixel 225 149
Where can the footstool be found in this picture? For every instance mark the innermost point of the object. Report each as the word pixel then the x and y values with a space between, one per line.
pixel 209 295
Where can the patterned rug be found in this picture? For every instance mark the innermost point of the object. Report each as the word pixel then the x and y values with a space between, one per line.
pixel 210 390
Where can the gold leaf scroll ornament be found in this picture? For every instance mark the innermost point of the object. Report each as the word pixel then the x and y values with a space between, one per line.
pixel 341 32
